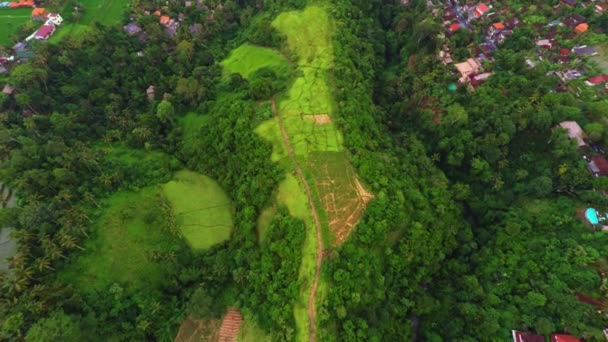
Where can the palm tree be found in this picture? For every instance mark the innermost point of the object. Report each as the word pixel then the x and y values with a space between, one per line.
pixel 68 241
pixel 43 263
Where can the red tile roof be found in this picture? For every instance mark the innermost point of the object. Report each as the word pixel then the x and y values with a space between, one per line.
pixel 519 336
pixel 598 79
pixel 481 9
pixel 45 30
pixel 454 27
pixel 563 337
pixel 499 26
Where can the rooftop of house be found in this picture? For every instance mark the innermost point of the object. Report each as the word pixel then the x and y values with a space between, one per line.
pixel 580 28
pixel 564 337
pixel 574 131
pixel 165 19
pixel 574 20
pixel 481 8
pixel 584 50
pixel 8 90
pixel 595 80
pixel 45 30
pixel 468 66
pixel 519 336
pixel 499 26
pixel 37 12
pixel 132 28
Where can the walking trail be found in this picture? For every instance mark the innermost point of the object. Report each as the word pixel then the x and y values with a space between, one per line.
pixel 315 216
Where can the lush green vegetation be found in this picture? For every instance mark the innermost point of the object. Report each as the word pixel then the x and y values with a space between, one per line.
pixel 247 59
pixel 471 231
pixel 128 242
pixel 201 208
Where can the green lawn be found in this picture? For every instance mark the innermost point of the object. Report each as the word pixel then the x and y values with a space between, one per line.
pixel 10 21
pixel 106 12
pixel 601 59
pixel 128 231
pixel 246 59
pixel 250 332
pixel 202 210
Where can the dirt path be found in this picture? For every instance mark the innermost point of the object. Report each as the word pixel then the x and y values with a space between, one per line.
pixel 315 216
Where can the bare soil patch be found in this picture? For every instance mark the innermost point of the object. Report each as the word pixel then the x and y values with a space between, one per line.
pixel 318 119
pixel 196 330
pixel 342 194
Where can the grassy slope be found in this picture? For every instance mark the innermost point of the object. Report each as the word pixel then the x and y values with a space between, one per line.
pixel 250 332
pixel 118 251
pixel 246 59
pixel 201 207
pixel 10 20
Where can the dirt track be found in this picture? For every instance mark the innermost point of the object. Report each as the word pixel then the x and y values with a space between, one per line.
pixel 313 289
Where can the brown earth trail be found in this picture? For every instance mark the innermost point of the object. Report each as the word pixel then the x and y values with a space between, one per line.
pixel 315 217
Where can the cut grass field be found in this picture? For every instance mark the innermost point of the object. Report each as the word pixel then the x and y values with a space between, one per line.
pixel 10 21
pixel 247 59
pixel 106 12
pixel 127 232
pixel 201 208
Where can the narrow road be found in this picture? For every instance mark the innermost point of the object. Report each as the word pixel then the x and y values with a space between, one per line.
pixel 315 216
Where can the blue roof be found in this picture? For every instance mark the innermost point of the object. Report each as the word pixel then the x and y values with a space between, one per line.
pixel 591 216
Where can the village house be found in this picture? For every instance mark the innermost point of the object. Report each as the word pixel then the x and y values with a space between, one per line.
pixel 574 132
pixel 600 8
pixel 580 28
pixel 480 10
pixel 495 28
pixel 574 20
pixel 39 14
pixel 598 165
pixel 470 67
pixel 132 29
pixel 188 4
pixel 569 3
pixel 564 338
pixel 477 80
pixel 519 336
pixel 150 92
pixel 584 50
pixel 3 70
pixel 569 74
pixel 55 19
pixel 8 90
pixel 45 31
pixel 544 43
pixel 593 81
pixel 445 57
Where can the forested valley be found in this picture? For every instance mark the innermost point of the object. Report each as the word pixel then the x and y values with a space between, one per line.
pixel 472 230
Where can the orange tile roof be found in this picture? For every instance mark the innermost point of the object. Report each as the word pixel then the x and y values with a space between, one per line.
pixel 157 13
pixel 37 12
pixel 165 19
pixel 499 26
pixel 582 28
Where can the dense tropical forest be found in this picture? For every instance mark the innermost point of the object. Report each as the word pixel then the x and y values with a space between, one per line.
pixel 309 164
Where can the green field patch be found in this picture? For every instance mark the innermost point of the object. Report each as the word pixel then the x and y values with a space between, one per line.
pixel 129 234
pixel 106 12
pixel 601 59
pixel 202 210
pixel 76 31
pixel 264 220
pixel 10 21
pixel 247 59
pixel 270 131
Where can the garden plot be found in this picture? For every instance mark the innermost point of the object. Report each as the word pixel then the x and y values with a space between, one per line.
pixel 340 191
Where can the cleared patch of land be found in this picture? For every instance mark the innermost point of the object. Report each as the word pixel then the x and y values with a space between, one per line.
pixel 341 193
pixel 129 235
pixel 10 21
pixel 201 208
pixel 247 59
pixel 196 330
pixel 318 119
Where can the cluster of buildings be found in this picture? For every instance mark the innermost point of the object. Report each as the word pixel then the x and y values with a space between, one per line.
pixel 170 24
pixel 484 18
pixel 18 4
pixel 519 336
pixel 50 23
pixel 597 163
